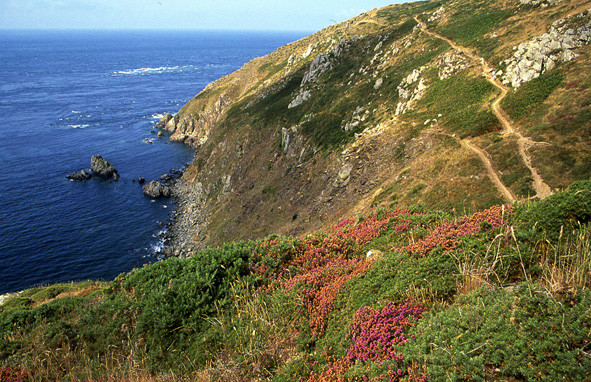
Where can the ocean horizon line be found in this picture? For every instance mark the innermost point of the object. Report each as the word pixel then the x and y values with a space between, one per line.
pixel 146 30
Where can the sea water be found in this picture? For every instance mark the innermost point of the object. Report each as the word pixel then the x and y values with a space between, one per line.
pixel 68 95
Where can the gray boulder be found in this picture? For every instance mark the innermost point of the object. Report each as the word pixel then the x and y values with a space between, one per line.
pixel 156 190
pixel 79 176
pixel 102 168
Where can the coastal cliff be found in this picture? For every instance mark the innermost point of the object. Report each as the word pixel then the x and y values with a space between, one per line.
pixel 416 185
pixel 453 105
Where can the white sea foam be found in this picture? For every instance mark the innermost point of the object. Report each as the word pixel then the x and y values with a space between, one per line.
pixel 143 71
pixel 160 233
pixel 76 112
pixel 157 248
pixel 157 116
pixel 78 126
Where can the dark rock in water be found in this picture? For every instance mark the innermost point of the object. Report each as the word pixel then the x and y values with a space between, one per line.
pixel 132 180
pixel 153 131
pixel 165 178
pixel 79 176
pixel 176 172
pixel 141 180
pixel 160 134
pixel 116 177
pixel 163 121
pixel 156 190
pixel 147 140
pixel 102 168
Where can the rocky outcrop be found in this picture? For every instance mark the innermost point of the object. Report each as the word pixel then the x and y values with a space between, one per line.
pixel 325 61
pixel 194 129
pixel 359 116
pixel 378 84
pixel 79 176
pixel 437 14
pixel 449 63
pixel 320 65
pixel 163 121
pixel 102 168
pixel 294 144
pixel 343 176
pixel 541 54
pixel 156 190
pixel 542 3
pixel 302 97
pixel 408 92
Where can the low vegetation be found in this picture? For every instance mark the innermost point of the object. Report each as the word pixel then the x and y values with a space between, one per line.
pixel 459 100
pixel 531 95
pixel 399 295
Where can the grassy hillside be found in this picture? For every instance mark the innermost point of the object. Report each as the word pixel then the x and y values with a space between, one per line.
pixel 397 295
pixel 455 146
pixel 403 110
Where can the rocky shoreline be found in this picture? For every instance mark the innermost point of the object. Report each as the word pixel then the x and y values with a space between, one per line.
pixel 182 235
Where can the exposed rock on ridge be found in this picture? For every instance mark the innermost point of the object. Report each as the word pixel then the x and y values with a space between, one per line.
pixel 321 64
pixel 543 3
pixel 408 92
pixel 541 54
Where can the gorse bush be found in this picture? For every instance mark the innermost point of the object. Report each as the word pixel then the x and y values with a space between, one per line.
pixel 497 334
pixel 465 298
pixel 556 215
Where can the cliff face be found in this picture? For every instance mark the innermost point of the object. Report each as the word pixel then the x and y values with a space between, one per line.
pixel 401 105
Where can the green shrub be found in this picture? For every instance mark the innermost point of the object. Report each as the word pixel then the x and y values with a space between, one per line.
pixel 472 23
pixel 556 215
pixel 521 102
pixel 526 335
pixel 459 99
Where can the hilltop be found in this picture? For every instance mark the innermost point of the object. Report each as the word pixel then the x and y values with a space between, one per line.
pixel 455 105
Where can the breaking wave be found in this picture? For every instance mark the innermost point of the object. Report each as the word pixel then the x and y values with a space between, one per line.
pixel 144 71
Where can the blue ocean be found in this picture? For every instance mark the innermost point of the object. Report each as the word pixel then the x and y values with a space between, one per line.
pixel 65 96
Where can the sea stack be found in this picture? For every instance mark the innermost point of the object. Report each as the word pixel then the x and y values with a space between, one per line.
pixel 102 168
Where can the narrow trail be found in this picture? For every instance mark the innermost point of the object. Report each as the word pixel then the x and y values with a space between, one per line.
pixel 541 188
pixel 507 195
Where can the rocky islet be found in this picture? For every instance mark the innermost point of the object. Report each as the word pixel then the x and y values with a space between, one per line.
pixel 99 167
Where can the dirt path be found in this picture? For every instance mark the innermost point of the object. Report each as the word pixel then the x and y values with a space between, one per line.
pixel 541 188
pixel 492 174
